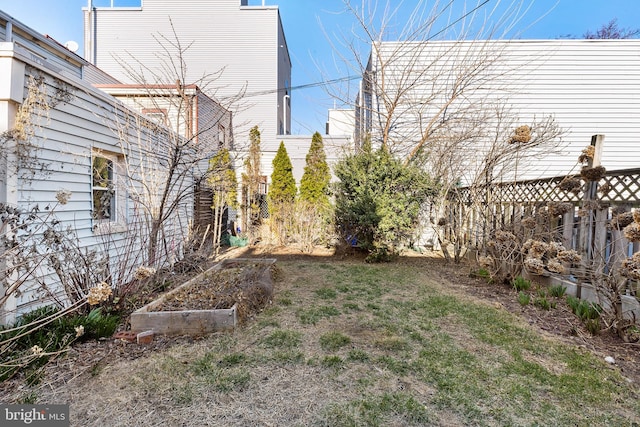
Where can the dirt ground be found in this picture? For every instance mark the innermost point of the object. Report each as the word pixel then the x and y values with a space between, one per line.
pixel 559 322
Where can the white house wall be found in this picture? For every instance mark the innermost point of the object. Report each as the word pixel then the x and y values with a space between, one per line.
pixel 297 148
pixel 588 86
pixel 79 120
pixel 241 43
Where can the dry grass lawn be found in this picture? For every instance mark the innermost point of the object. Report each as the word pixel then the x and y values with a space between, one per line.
pixel 346 343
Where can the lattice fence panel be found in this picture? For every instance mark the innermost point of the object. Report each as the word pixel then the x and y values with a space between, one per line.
pixel 616 187
pixel 621 187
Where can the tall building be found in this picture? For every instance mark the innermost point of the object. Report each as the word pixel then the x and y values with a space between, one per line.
pixel 234 50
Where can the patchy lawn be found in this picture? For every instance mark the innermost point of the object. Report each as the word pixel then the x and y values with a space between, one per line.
pixel 351 344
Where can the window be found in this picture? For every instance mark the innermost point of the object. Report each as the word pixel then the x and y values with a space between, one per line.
pixel 116 3
pixel 104 192
pixel 106 199
pixel 158 115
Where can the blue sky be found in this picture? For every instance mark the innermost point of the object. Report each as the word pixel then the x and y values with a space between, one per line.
pixel 314 60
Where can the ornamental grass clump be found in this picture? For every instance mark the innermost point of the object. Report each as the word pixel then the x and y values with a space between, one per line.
pixel 521 284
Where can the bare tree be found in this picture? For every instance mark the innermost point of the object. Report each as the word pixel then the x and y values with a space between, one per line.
pixel 252 194
pixel 439 95
pixel 611 30
pixel 166 155
pixel 222 179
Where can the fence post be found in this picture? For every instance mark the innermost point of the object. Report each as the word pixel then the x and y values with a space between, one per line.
pixel 619 245
pixel 588 221
pixel 567 228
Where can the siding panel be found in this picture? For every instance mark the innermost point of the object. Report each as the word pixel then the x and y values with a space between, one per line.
pixel 589 86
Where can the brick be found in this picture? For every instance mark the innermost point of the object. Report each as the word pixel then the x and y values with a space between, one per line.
pixel 128 336
pixel 145 337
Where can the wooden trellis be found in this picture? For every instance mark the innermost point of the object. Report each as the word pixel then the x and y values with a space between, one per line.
pixel 621 187
pixel 585 228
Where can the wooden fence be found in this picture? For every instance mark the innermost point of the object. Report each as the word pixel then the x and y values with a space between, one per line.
pixel 585 226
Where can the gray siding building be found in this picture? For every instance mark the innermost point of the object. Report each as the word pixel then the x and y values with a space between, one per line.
pixel 234 51
pixel 587 86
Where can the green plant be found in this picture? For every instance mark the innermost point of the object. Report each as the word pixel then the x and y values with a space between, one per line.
pixel 374 410
pixel 573 303
pixel 33 349
pixel 332 362
pixel 524 298
pixel 284 301
pixel 396 365
pixel 96 369
pixel 584 309
pixel 381 254
pixel 483 273
pixel 557 291
pixel 333 341
pixel 314 185
pixel 251 182
pixel 29 398
pixel 326 293
pixel 233 359
pixel 378 200
pixel 283 339
pixel 521 284
pixel 592 325
pixel 312 315
pixel 225 381
pixel 357 355
pixel 283 185
pixel 542 302
pixel 351 306
pixel 222 181
pixel 287 357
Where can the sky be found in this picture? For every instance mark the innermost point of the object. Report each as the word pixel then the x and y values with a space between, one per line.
pixel 314 30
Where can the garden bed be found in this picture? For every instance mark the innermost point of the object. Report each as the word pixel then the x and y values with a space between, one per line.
pixel 217 299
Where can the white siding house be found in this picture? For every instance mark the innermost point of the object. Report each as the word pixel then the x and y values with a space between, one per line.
pixel 298 146
pixel 61 139
pixel 241 47
pixel 588 86
pixel 191 113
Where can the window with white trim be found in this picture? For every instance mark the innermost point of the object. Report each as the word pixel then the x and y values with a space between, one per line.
pixel 104 189
pixel 106 199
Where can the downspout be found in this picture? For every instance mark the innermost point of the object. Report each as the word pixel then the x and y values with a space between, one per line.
pixel 285 99
pixel 8 37
pixel 92 26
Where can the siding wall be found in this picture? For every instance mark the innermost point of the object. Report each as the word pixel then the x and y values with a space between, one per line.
pixel 240 43
pixel 589 86
pixel 297 148
pixel 84 120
